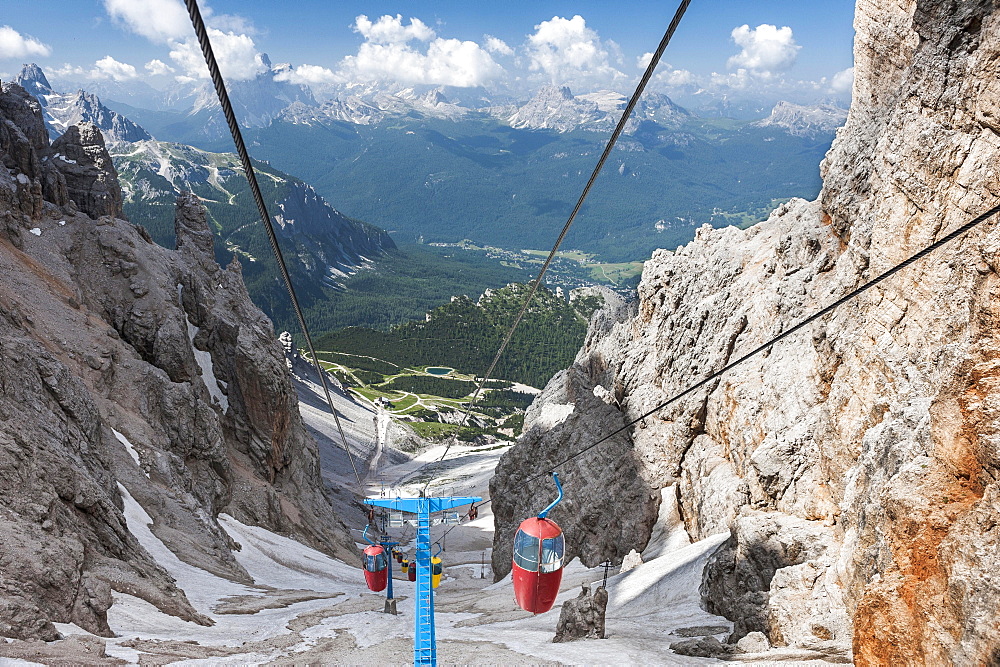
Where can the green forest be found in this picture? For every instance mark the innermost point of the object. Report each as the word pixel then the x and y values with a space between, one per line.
pixel 465 335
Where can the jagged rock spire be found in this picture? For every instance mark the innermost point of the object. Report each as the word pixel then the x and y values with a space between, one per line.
pixel 191 226
pixel 32 79
pixel 91 178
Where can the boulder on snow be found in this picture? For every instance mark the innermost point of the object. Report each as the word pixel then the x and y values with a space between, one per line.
pixel 703 647
pixel 754 642
pixel 583 616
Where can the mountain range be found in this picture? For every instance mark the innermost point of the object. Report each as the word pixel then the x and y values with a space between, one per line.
pixel 60 110
pixel 526 164
pixel 405 159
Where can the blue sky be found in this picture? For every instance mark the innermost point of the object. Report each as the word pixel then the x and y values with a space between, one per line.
pixel 786 45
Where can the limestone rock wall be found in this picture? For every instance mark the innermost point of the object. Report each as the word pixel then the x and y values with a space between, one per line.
pixel 127 368
pixel 855 464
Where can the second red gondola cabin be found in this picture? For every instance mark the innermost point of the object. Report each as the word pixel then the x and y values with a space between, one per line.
pixel 376 568
pixel 538 561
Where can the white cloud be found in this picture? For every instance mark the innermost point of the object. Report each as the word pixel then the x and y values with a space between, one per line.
pixel 160 21
pixel 741 79
pixel 676 77
pixel 767 49
pixel 105 68
pixel 390 30
pixel 67 71
pixel 167 22
pixel 158 68
pixel 665 72
pixel 497 46
pixel 15 45
pixel 456 63
pixel 236 54
pixel 109 68
pixel 230 22
pixel 388 55
pixel 843 81
pixel 567 51
pixel 309 75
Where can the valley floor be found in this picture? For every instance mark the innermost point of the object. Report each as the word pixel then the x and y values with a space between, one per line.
pixel 307 608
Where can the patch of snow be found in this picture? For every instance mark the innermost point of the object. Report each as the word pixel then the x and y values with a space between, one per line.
pixel 36 231
pixel 668 533
pixel 204 359
pixel 23 180
pixel 273 560
pixel 62 223
pixel 128 445
pixel 201 587
pixel 281 562
pixel 524 388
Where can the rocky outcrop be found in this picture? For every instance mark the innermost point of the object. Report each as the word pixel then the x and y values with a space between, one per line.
pixel 854 464
pixel 128 371
pixel 74 173
pixel 91 180
pixel 565 421
pixel 583 616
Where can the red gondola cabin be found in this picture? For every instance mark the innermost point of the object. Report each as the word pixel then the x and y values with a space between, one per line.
pixel 376 568
pixel 538 561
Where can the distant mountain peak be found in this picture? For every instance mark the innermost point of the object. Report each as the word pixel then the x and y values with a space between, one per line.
pixel 553 91
pixel 63 110
pixel 33 80
pixel 556 108
pixel 799 120
pixel 435 97
pixel 258 100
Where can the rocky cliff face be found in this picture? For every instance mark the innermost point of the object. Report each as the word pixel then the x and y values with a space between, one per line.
pixel 855 465
pixel 128 368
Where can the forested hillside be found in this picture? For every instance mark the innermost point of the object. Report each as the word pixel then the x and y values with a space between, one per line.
pixel 465 335
pixel 346 272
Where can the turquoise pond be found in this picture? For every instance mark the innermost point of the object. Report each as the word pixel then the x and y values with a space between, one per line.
pixel 439 370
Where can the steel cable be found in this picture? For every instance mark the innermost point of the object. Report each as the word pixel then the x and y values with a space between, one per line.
pixel 761 348
pixel 248 168
pixel 619 128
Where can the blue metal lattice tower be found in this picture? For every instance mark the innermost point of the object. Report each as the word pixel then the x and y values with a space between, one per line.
pixel 424 640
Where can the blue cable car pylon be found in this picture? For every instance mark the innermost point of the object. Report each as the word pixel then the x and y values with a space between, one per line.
pixel 424 639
